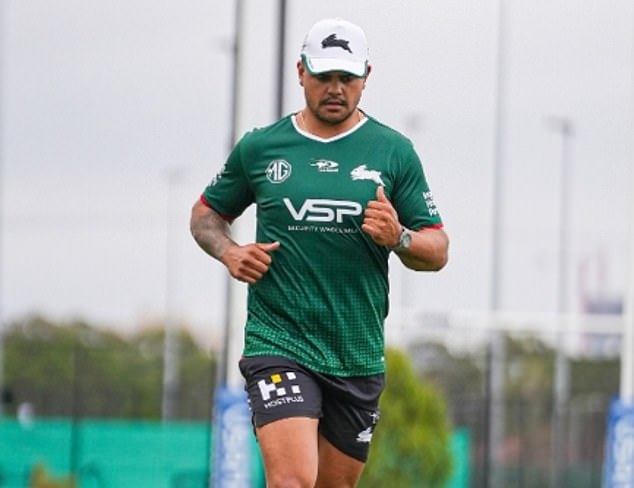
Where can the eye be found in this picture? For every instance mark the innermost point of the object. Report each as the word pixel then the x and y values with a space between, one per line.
pixel 324 77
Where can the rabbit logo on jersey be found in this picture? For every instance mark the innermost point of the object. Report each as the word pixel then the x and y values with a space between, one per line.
pixel 363 173
pixel 280 391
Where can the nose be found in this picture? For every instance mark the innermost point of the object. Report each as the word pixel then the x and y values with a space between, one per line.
pixel 335 86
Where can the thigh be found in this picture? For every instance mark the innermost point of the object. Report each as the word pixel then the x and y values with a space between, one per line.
pixel 290 452
pixel 336 468
pixel 286 404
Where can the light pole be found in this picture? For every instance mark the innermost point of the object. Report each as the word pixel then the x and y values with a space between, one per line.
pixel 232 429
pixel 496 352
pixel 561 388
pixel 170 341
pixel 627 353
pixel 619 462
pixel 2 388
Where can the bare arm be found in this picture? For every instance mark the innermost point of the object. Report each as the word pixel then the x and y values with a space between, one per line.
pixel 246 263
pixel 210 230
pixel 429 248
pixel 428 252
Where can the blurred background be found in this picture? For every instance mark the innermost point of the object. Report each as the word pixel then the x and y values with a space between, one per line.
pixel 115 115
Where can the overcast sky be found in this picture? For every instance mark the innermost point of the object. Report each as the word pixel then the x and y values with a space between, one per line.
pixel 109 106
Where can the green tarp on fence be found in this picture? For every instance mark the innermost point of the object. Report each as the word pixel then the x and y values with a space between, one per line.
pixel 121 454
pixel 108 454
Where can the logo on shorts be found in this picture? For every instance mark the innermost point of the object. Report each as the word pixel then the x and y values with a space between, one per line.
pixel 365 435
pixel 280 390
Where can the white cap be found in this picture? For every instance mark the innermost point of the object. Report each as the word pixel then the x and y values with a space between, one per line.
pixel 335 45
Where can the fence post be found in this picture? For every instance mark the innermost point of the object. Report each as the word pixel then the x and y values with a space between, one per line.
pixel 619 460
pixel 232 433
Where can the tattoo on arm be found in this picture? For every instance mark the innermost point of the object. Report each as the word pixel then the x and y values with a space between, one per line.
pixel 210 231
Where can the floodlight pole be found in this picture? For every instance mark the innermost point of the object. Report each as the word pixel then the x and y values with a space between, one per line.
pixel 235 298
pixel 236 292
pixel 617 468
pixel 281 59
pixel 627 353
pixel 2 57
pixel 561 387
pixel 236 93
pixel 496 353
pixel 171 353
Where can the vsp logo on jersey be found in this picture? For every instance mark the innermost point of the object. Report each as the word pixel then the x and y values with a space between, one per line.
pixel 278 170
pixel 280 391
pixel 323 210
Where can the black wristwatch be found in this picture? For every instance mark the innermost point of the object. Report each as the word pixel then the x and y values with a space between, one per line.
pixel 404 240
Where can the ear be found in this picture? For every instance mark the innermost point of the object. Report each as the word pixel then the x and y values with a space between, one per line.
pixel 301 69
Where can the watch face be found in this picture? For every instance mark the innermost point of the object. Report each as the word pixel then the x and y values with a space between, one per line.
pixel 406 239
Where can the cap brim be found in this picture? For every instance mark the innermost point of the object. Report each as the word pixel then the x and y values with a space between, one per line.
pixel 316 66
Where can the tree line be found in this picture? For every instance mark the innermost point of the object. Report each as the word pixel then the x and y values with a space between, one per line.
pixel 74 369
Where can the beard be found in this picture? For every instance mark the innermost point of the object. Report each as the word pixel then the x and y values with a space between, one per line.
pixel 333 111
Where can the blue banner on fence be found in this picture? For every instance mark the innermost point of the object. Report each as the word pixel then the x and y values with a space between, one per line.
pixel 232 463
pixel 619 459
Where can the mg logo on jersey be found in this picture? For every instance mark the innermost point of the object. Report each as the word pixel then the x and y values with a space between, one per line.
pixel 278 170
pixel 323 210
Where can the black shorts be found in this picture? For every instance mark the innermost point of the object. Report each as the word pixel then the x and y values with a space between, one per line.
pixel 348 408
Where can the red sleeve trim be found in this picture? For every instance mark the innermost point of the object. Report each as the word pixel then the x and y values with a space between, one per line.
pixel 435 226
pixel 204 201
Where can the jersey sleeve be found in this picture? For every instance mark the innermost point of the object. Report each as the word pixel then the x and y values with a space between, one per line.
pixel 229 192
pixel 411 196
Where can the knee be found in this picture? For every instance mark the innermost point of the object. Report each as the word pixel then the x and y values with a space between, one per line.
pixel 298 480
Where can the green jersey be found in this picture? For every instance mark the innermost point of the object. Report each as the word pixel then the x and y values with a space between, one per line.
pixel 324 300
